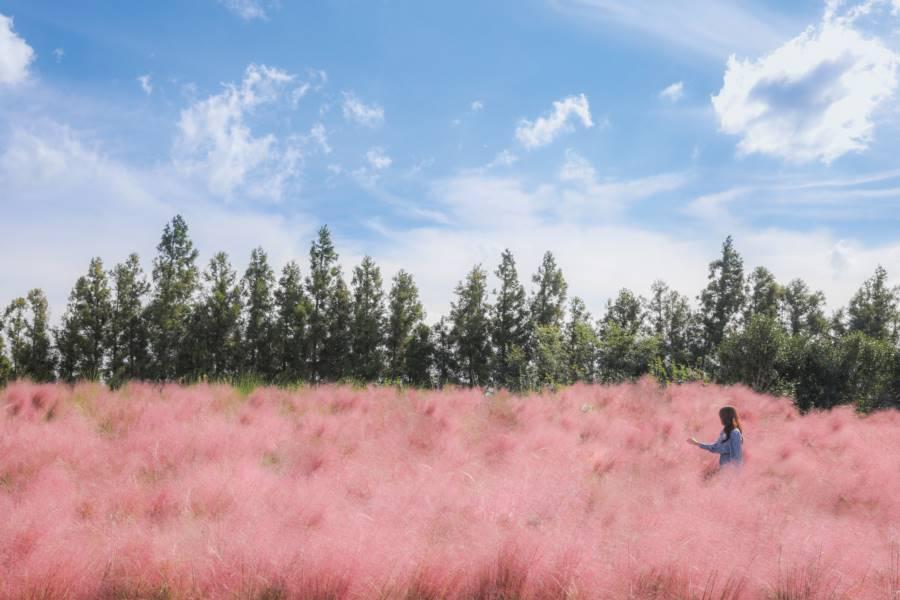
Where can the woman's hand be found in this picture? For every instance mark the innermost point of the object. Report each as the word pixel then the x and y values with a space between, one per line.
pixel 693 441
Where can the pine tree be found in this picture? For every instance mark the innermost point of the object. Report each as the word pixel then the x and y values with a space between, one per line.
pixel 470 331
pixel 419 358
pixel 258 281
pixel 128 353
pixel 510 327
pixel 446 366
pixel 626 348
pixel 723 297
pixel 368 329
pixel 292 308
pixel 17 334
pixel 175 281
pixel 84 335
pixel 549 300
pixel 219 322
pixel 5 368
pixel 41 362
pixel 550 360
pixel 406 315
pixel 873 309
pixel 336 352
pixel 673 323
pixel 320 287
pixel 581 343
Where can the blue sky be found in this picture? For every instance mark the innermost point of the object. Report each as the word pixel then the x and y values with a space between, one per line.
pixel 629 137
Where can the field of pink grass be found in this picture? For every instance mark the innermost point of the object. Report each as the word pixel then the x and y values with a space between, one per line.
pixel 333 492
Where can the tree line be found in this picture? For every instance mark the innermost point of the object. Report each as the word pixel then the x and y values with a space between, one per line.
pixel 184 324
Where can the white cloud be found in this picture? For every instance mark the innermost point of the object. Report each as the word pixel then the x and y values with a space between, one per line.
pixel 534 134
pixel 319 134
pixel 478 105
pixel 146 85
pixel 378 158
pixel 15 54
pixel 214 139
pixel 368 115
pixel 674 92
pixel 58 54
pixel 814 98
pixel 121 209
pixel 246 9
pixel 504 158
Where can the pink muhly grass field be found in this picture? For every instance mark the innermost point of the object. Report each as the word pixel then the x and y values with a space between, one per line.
pixel 332 492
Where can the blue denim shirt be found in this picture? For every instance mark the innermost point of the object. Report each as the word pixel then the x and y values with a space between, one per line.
pixel 730 451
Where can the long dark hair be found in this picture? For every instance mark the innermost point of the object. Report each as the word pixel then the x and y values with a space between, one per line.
pixel 729 417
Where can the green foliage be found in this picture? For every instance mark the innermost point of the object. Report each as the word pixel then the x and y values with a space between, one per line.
pixel 763 294
pixel 85 332
pixel 128 335
pixel 723 297
pixel 510 326
pixel 368 327
pixel 549 300
pixel 470 333
pixel 41 362
pixel 873 309
pixel 16 326
pixel 256 345
pixel 404 330
pixel 802 310
pixel 674 324
pixel 336 351
pixel 581 343
pixel 320 288
pixel 293 309
pixel 625 355
pixel 755 355
pixel 550 364
pixel 175 280
pixel 216 323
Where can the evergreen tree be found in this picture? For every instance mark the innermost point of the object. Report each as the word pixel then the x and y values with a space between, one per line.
pixel 510 327
pixel 5 367
pixel 258 281
pixel 470 332
pixel 368 329
pixel 41 361
pixel 873 309
pixel 16 320
pixel 581 343
pixel 403 329
pixel 419 357
pixel 219 320
pixel 550 364
pixel 292 309
pixel 626 349
pixel 446 366
pixel 627 311
pixel 549 300
pixel 84 334
pixel 320 287
pixel 763 294
pixel 175 281
pixel 673 323
pixel 801 310
pixel 128 357
pixel 336 352
pixel 723 297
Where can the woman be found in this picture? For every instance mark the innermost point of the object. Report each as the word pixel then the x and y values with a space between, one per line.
pixel 730 442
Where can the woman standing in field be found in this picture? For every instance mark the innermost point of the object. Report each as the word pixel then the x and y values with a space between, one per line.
pixel 729 446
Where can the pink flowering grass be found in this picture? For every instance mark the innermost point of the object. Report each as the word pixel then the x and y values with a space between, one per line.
pixel 332 492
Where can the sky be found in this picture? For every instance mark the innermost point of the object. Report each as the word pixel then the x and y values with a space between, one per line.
pixel 629 137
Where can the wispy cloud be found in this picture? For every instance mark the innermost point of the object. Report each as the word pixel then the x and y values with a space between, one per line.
pixel 247 9
pixel 357 111
pixel 545 129
pixel 146 85
pixel 713 29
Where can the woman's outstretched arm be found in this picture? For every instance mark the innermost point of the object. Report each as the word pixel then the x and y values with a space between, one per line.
pixel 717 447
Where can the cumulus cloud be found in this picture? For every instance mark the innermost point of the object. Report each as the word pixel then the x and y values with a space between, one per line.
pixel 215 140
pixel 545 129
pixel 357 111
pixel 146 85
pixel 15 54
pixel 504 158
pixel 814 98
pixel 378 158
pixel 674 92
pixel 478 105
